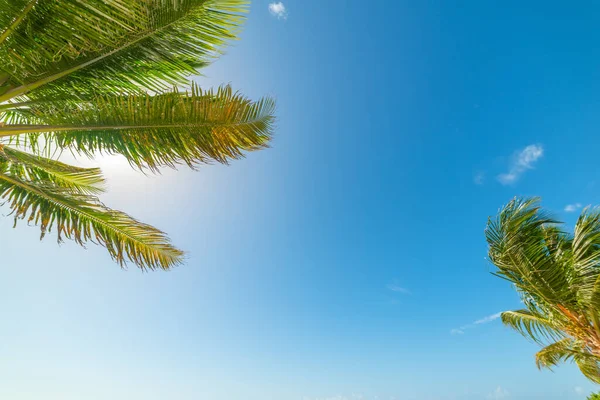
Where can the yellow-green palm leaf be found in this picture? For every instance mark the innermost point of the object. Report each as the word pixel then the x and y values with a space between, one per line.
pixel 557 274
pixel 105 77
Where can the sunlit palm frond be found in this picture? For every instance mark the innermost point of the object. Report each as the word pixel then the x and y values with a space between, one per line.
pixel 589 365
pixel 557 275
pixel 556 353
pixel 532 326
pixel 567 350
pixel 151 131
pixel 117 46
pixel 586 254
pixel 530 251
pixel 35 168
pixel 83 218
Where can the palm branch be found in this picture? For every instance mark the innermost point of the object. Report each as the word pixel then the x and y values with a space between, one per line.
pixel 557 275
pixel 112 85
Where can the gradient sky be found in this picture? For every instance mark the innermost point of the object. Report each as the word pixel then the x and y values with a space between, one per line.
pixel 348 261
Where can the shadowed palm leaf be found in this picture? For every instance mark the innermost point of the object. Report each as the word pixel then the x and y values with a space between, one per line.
pixel 109 86
pixel 557 275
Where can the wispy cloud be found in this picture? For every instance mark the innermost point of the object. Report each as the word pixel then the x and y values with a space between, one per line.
pixel 499 393
pixel 484 320
pixel 487 319
pixel 522 161
pixel 579 390
pixel 278 10
pixel 572 207
pixel 479 178
pixel 398 289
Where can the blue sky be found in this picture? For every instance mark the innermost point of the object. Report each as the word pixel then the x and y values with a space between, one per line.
pixel 347 262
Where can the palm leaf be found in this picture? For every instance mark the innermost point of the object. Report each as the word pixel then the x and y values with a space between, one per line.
pixel 555 353
pixel 570 350
pixel 151 131
pixel 117 46
pixel 557 276
pixel 531 326
pixel 30 167
pixel 586 254
pixel 530 251
pixel 589 365
pixel 83 218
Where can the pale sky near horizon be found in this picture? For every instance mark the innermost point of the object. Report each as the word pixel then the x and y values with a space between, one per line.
pixel 347 262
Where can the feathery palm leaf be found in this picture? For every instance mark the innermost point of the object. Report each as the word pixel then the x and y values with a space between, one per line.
pixel 96 76
pixel 557 275
pixel 151 131
pixel 117 45
pixel 83 218
pixel 531 326
pixel 556 353
pixel 36 168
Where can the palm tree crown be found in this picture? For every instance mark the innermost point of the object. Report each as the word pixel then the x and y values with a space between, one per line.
pixel 557 275
pixel 103 76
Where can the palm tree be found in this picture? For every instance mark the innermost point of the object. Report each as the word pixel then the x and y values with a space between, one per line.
pixel 557 275
pixel 105 77
pixel 594 396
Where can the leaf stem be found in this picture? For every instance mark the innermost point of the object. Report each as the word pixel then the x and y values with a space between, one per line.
pixel 11 28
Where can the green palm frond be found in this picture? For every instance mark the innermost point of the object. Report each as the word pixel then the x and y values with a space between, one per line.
pixel 35 168
pixel 586 252
pixel 530 251
pixel 531 326
pixel 14 12
pixel 555 353
pixel 570 350
pixel 117 45
pixel 83 218
pixel 101 77
pixel 152 131
pixel 557 275
pixel 589 365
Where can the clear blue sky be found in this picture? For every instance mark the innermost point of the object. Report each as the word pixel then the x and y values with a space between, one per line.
pixel 337 263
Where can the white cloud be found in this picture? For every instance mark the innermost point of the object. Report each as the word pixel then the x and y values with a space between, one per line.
pixel 278 10
pixel 499 393
pixel 579 390
pixel 522 161
pixel 572 207
pixel 481 321
pixel 487 319
pixel 399 289
pixel 479 178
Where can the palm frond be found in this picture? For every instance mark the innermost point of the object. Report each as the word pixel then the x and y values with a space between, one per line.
pixel 83 218
pixel 532 326
pixel 570 350
pixel 13 12
pixel 589 365
pixel 117 45
pixel 530 250
pixel 586 254
pixel 35 168
pixel 555 353
pixel 152 131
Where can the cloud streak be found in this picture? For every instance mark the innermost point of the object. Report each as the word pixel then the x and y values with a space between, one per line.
pixel 499 393
pixel 572 207
pixel 278 10
pixel 522 161
pixel 398 289
pixel 484 320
